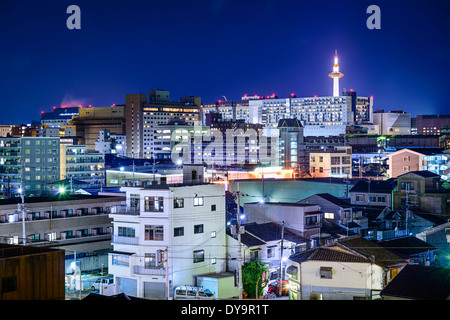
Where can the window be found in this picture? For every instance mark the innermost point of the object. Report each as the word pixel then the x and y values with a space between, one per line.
pixel 213 234
pixel 270 252
pixel 407 185
pixel 198 201
pixel 199 256
pixel 311 221
pixel 406 158
pixel 126 232
pixel 154 232
pixel 381 199
pixel 198 228
pixel 329 215
pixel 154 204
pixel 178 203
pixel 213 207
pixel 150 260
pixel 405 168
pixel 178 232
pixel 325 273
pixel 359 197
pixel 372 199
pixel 118 260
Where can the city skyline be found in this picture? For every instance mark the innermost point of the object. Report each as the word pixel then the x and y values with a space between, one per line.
pixel 219 48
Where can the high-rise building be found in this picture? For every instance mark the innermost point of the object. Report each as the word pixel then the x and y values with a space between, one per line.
pixel 29 165
pixel 144 113
pixel 291 144
pixel 91 121
pixel 79 163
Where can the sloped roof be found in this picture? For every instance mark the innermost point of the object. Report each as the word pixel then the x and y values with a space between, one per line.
pixel 423 174
pixel 327 254
pixel 374 186
pixel 289 123
pixel 406 247
pixel 333 199
pixel 381 256
pixel 420 282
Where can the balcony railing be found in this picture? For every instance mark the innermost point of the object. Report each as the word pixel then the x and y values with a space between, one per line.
pixel 151 271
pixel 124 240
pixel 133 211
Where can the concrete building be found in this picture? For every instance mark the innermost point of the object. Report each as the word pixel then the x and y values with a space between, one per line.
pixel 331 162
pixel 108 143
pixel 165 236
pixel 403 161
pixel 303 218
pixel 78 163
pixel 432 124
pixel 143 113
pixel 91 121
pixel 30 164
pixel 59 117
pixel 292 153
pixel 391 123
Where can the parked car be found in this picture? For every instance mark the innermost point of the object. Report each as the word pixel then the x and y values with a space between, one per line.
pixel 190 293
pixel 105 282
pixel 274 287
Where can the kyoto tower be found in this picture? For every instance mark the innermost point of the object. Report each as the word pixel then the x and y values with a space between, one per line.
pixel 336 75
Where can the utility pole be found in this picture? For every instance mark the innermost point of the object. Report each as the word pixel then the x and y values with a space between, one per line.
pixel 281 259
pixel 239 241
pixel 22 205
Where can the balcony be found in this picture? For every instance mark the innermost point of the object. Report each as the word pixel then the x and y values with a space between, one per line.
pixel 133 211
pixel 149 271
pixel 124 240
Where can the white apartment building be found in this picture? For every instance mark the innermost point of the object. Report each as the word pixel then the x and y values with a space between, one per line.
pixel 165 235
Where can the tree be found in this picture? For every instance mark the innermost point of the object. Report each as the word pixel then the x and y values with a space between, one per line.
pixel 251 272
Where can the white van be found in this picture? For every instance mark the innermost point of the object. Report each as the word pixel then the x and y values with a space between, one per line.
pixel 192 293
pixel 106 282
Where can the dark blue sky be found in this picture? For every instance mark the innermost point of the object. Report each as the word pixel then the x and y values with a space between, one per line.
pixel 215 48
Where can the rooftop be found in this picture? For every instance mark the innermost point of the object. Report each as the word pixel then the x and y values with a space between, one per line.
pixel 420 282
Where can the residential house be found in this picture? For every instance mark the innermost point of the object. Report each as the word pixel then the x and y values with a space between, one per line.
pixel 263 242
pixel 338 211
pixel 303 218
pixel 418 282
pixel 373 193
pixel 403 161
pixel 423 190
pixel 387 260
pixel 165 235
pixel 411 249
pixel 337 272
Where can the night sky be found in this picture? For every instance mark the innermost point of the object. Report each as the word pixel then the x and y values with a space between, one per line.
pixel 216 48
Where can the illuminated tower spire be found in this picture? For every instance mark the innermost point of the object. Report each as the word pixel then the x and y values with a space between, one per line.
pixel 335 75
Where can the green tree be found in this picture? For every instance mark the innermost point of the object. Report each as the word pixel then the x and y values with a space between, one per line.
pixel 251 272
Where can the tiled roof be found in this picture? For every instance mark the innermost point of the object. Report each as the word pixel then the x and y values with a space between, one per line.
pixel 327 254
pixel 406 247
pixel 381 256
pixel 420 282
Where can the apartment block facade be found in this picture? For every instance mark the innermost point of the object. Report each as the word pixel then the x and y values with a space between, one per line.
pixel 165 235
pixel 28 163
